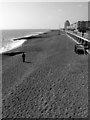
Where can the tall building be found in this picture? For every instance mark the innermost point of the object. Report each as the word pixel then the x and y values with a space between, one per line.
pixel 67 23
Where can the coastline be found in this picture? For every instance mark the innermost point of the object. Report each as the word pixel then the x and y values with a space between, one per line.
pixel 21 41
pixel 10 47
pixel 27 46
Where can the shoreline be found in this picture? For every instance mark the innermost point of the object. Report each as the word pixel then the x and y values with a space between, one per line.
pixel 20 48
pixel 19 44
pixel 24 40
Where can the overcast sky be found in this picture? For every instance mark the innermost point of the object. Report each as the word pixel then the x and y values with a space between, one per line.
pixel 41 15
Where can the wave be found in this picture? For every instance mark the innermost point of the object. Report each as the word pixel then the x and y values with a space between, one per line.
pixel 16 43
pixel 12 45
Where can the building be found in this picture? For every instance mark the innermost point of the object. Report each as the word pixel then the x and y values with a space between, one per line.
pixel 80 25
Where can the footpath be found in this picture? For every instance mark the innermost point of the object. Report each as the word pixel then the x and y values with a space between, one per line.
pixel 86 35
pixel 77 37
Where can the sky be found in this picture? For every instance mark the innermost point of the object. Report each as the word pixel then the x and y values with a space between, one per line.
pixel 24 14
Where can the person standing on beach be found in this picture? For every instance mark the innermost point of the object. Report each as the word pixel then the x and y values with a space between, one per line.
pixel 23 57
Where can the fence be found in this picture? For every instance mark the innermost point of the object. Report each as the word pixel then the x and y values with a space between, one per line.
pixel 80 40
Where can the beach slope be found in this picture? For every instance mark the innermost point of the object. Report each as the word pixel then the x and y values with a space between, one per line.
pixel 51 83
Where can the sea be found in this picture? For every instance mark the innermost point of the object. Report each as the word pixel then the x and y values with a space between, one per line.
pixel 6 37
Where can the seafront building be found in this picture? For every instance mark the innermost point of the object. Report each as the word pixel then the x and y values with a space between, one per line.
pixel 79 25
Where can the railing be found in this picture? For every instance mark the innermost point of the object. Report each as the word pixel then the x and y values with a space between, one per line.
pixel 80 40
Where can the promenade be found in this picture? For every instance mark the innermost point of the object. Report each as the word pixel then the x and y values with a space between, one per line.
pixel 86 35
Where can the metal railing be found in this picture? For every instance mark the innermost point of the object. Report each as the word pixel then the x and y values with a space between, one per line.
pixel 85 42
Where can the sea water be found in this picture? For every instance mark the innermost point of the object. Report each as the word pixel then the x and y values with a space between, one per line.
pixel 6 38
